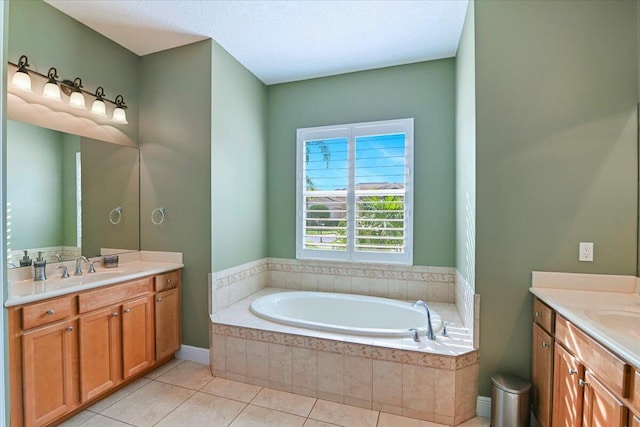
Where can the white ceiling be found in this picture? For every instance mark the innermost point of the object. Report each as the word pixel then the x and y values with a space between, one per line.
pixel 285 40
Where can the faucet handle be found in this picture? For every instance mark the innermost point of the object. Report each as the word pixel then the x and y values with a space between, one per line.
pixel 65 271
pixel 444 329
pixel 92 269
pixel 415 331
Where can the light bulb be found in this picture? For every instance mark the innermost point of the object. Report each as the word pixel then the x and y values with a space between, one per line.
pixel 120 116
pixel 99 108
pixel 51 91
pixel 77 100
pixel 21 81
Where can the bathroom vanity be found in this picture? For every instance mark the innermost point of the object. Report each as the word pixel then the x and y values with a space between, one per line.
pixel 586 353
pixel 69 349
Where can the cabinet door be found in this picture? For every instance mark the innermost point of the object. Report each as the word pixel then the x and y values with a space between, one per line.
pixel 542 375
pixel 137 336
pixel 167 309
pixel 601 408
pixel 567 392
pixel 100 365
pixel 49 361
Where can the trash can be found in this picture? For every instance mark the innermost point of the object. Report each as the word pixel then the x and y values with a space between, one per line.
pixel 510 401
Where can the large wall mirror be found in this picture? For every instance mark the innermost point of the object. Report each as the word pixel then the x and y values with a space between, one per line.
pixel 69 195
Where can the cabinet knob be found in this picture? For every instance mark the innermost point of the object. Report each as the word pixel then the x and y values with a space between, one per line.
pixel 159 299
pixel 69 328
pixel 127 310
pixel 50 312
pixel 582 383
pixel 573 372
pixel 538 314
pixel 169 281
pixel 114 314
pixel 545 344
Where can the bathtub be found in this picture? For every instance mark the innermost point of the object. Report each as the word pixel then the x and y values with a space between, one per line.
pixel 344 313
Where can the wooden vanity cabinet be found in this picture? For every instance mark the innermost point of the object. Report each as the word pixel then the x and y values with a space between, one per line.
pixel 65 352
pixel 542 362
pixel 49 372
pixel 601 407
pixel 167 318
pixel 584 384
pixel 100 351
pixel 567 392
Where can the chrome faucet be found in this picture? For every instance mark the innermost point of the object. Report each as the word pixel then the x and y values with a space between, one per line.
pixel 430 333
pixel 56 257
pixel 78 271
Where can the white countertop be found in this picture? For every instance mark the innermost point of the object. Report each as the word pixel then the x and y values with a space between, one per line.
pixel 573 303
pixel 26 290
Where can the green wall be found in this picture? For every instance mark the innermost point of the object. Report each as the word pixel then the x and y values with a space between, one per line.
pixel 110 178
pixel 424 91
pixel 465 117
pixel 556 156
pixel 175 170
pixel 34 187
pixel 238 163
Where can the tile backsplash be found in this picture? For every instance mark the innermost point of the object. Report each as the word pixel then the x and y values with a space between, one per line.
pixel 436 284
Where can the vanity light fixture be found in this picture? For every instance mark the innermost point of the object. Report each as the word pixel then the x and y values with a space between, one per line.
pixel 21 79
pixel 119 115
pixel 76 99
pixel 98 107
pixel 51 89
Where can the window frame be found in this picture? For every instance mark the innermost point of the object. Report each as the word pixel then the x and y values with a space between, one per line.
pixel 351 132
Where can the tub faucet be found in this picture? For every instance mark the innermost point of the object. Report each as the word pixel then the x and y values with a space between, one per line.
pixel 78 271
pixel 430 333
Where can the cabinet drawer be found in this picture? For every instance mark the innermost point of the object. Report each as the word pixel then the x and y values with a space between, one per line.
pixel 116 294
pixel 543 315
pixel 46 312
pixel 609 369
pixel 167 280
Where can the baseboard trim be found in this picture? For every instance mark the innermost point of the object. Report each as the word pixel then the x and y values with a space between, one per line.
pixel 483 406
pixel 193 354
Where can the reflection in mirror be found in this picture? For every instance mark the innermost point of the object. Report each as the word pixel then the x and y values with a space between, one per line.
pixel 61 189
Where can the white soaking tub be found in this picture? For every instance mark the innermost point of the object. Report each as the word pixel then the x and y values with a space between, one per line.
pixel 345 313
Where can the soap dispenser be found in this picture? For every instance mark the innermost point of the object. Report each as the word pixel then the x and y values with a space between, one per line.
pixel 25 261
pixel 40 266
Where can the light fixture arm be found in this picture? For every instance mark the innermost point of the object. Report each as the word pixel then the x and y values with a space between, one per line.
pixel 23 63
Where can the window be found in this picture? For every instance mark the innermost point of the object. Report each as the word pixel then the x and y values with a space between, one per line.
pixel 355 192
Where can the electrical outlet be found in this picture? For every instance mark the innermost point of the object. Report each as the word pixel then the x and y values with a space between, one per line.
pixel 586 252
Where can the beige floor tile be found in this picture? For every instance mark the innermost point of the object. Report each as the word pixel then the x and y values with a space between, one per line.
pixel 254 416
pixel 231 389
pixel 343 415
pixel 78 419
pixel 118 395
pixel 316 423
pixel 389 420
pixel 164 368
pixel 285 402
pixel 188 375
pixel 149 404
pixel 203 410
pixel 477 422
pixel 102 421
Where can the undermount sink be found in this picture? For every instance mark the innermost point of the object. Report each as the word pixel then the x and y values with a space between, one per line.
pixel 625 320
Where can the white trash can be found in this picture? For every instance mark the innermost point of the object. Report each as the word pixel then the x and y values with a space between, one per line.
pixel 510 401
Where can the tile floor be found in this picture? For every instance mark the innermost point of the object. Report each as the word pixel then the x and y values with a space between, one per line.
pixel 182 393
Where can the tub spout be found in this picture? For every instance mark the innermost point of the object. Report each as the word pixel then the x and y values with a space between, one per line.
pixel 430 333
